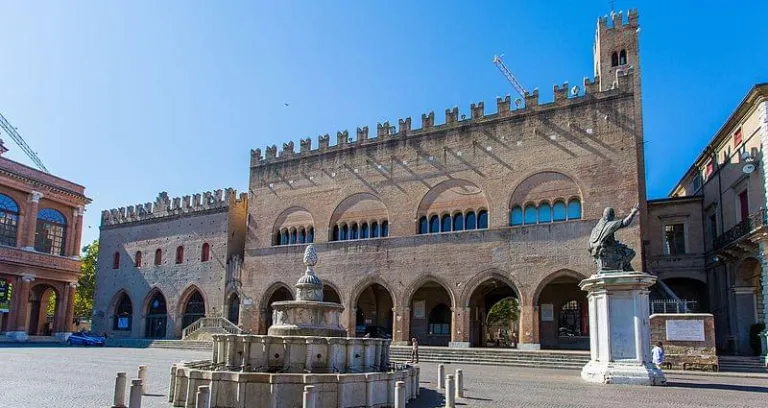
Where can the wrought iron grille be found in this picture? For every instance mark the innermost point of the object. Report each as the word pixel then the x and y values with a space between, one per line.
pixel 754 221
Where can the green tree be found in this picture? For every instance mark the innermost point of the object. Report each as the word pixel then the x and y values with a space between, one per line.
pixel 86 285
pixel 503 312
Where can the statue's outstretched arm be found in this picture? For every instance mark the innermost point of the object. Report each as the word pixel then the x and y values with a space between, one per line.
pixel 628 220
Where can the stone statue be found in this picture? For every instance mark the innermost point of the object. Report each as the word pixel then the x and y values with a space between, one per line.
pixel 610 254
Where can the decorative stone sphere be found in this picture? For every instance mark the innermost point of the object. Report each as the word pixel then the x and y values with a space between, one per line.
pixel 310 256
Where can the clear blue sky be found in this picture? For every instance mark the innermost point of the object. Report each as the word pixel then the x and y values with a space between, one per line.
pixel 134 98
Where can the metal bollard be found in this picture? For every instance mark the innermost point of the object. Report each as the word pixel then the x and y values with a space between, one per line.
pixel 143 377
pixel 459 383
pixel 203 397
pixel 172 384
pixel 135 398
pixel 400 399
pixel 450 401
pixel 310 397
pixel 120 383
pixel 441 376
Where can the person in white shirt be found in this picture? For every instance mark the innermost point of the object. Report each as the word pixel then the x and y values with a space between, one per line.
pixel 658 355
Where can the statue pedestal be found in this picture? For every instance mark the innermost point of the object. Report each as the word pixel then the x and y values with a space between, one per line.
pixel 619 329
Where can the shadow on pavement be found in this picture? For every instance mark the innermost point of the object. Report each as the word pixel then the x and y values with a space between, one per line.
pixel 433 399
pixel 723 387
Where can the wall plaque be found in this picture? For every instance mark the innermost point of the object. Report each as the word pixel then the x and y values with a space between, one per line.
pixel 547 312
pixel 685 330
pixel 418 309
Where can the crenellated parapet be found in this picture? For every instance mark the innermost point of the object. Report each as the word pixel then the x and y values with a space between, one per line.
pixel 616 20
pixel 164 206
pixel 530 104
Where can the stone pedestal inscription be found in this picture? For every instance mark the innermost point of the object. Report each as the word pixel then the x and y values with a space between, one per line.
pixel 685 330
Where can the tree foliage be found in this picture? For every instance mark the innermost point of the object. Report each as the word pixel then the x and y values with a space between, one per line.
pixel 86 285
pixel 503 312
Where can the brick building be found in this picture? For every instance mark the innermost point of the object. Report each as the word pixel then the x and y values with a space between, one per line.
pixel 165 264
pixel 41 220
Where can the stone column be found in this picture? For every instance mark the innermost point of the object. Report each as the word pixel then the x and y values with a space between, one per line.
pixel 764 271
pixel 460 327
pixel 74 234
pixel 352 322
pixel 20 334
pixel 70 311
pixel 529 330
pixel 31 220
pixel 61 310
pixel 402 325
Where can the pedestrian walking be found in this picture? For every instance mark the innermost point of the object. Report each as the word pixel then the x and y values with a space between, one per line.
pixel 658 354
pixel 414 351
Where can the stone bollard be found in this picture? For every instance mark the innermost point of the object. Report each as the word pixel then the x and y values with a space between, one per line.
pixel 459 383
pixel 400 399
pixel 310 397
pixel 172 384
pixel 203 397
pixel 135 398
pixel 441 376
pixel 143 377
pixel 120 383
pixel 450 401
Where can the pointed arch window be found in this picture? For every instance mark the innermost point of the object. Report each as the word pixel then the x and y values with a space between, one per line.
pixel 294 237
pixel 558 211
pixel 375 230
pixel 116 261
pixel 123 314
pixel 384 229
pixel 284 238
pixel 137 259
pixel 434 224
pixel 482 219
pixel 344 233
pixel 615 59
pixel 205 253
pixel 446 226
pixel 158 256
pixel 302 236
pixel 470 222
pixel 623 57
pixel 574 209
pixel 458 222
pixel 423 225
pixel 51 232
pixel 179 255
pixel 353 232
pixel 9 220
pixel 516 216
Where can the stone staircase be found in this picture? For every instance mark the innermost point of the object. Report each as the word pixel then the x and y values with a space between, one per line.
pixel 202 329
pixel 742 364
pixel 503 357
pixel 166 344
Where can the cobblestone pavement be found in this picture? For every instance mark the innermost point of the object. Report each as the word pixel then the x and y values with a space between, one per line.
pixel 84 377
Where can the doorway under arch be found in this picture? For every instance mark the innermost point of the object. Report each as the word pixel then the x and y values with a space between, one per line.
pixel 563 314
pixel 43 309
pixel 233 308
pixel 156 322
pixel 122 320
pixel 483 298
pixel 431 317
pixel 374 312
pixel 194 309
pixel 280 294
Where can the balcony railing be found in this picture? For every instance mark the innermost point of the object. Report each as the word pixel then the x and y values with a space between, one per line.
pixel 755 221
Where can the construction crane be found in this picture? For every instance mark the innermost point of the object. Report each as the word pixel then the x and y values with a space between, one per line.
pixel 11 131
pixel 508 74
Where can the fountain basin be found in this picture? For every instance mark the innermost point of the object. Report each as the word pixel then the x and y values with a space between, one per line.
pixel 306 318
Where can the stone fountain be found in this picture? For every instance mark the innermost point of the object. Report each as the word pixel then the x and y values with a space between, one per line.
pixel 306 345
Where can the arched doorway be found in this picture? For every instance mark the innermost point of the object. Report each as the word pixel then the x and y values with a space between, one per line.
pixel 330 294
pixel 233 308
pixel 484 297
pixel 43 309
pixel 563 314
pixel 280 294
pixel 747 301
pixel 194 309
pixel 431 315
pixel 122 319
pixel 374 312
pixel 157 317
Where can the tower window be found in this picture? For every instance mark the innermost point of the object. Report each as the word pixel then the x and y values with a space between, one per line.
pixel 623 57
pixel 615 59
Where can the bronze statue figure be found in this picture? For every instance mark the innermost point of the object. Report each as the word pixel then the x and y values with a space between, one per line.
pixel 610 254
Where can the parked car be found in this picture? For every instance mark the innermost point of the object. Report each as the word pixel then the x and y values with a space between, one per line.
pixel 85 339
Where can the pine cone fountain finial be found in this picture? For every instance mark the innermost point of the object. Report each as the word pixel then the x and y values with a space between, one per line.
pixel 310 287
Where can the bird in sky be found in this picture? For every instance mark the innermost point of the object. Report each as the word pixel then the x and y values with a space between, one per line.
pixel 286 104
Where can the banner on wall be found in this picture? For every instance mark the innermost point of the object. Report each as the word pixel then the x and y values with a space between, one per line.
pixel 5 295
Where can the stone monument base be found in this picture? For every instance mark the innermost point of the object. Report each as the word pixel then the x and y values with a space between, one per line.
pixel 17 336
pixel 630 373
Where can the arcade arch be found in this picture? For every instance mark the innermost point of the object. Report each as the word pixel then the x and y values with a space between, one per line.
pixel 563 312
pixel 156 320
pixel 431 317
pixel 492 289
pixel 373 312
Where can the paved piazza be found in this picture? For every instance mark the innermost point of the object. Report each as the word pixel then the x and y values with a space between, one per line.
pixel 84 377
